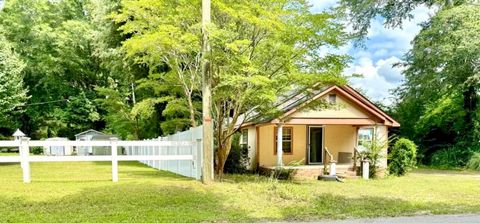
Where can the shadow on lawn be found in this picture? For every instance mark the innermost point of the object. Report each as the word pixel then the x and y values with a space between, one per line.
pixel 153 203
pixel 130 202
pixel 328 206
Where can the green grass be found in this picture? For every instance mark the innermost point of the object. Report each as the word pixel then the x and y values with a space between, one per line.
pixel 8 154
pixel 83 192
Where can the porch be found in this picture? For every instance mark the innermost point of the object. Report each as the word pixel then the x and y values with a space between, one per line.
pixel 310 149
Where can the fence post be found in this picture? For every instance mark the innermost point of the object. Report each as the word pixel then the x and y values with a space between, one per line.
pixel 113 143
pixel 198 160
pixel 24 153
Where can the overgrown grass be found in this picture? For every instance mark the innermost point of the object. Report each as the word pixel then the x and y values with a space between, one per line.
pixel 83 192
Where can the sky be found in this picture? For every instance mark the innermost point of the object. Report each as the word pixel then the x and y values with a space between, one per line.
pixel 383 48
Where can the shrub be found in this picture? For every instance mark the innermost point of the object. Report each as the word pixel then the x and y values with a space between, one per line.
pixel 282 174
pixel 238 160
pixel 37 150
pixel 402 157
pixel 374 154
pixel 454 156
pixel 474 162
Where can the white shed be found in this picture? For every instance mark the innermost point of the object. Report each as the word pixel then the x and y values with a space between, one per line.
pixel 57 150
pixel 93 135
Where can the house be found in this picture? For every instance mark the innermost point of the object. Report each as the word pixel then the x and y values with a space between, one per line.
pixel 313 137
pixel 57 150
pixel 94 135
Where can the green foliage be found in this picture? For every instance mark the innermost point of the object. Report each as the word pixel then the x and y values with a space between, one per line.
pixel 118 116
pixel 374 152
pixel 474 162
pixel 238 159
pixel 13 94
pixel 280 173
pixel 296 162
pixel 257 52
pixel 453 156
pixel 394 13
pixel 439 100
pixel 37 150
pixel 402 157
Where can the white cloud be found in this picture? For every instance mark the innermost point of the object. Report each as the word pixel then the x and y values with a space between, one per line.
pixel 322 5
pixel 383 49
pixel 378 78
pixel 398 39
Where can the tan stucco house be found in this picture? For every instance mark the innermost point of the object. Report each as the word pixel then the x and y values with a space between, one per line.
pixel 314 137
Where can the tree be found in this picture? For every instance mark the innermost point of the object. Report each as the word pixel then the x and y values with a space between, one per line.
pixel 442 79
pixel 361 13
pixel 260 50
pixel 54 39
pixel 13 94
pixel 171 39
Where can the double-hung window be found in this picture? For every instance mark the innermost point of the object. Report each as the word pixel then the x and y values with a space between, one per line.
pixel 287 140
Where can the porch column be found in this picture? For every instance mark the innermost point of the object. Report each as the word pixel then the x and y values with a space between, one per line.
pixel 279 145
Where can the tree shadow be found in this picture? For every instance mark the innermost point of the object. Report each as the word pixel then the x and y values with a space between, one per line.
pixel 122 203
pixel 329 206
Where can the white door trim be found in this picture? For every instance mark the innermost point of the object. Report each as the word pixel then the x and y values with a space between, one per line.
pixel 309 146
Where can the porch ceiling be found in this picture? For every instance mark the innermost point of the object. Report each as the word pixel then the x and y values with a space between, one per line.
pixel 330 121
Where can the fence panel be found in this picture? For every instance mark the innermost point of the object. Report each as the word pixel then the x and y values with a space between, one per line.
pixel 189 168
pixel 179 153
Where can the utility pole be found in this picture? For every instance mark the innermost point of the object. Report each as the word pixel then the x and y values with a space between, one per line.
pixel 207 168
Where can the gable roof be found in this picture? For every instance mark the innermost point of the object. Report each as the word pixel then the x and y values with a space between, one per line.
pixel 90 131
pixel 295 102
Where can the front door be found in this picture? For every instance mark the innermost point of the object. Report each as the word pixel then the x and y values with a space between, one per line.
pixel 315 141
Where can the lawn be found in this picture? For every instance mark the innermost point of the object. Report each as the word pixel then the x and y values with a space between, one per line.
pixel 83 192
pixel 8 154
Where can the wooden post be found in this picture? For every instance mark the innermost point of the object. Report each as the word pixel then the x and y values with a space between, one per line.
pixel 24 153
pixel 279 145
pixel 113 143
pixel 207 167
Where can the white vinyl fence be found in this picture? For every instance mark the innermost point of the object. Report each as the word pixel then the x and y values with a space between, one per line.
pixel 179 153
pixel 189 168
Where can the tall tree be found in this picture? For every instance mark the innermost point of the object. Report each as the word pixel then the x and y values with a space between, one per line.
pixel 13 94
pixel 260 50
pixel 443 78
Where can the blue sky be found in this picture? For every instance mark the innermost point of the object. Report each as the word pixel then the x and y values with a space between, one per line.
pixel 383 48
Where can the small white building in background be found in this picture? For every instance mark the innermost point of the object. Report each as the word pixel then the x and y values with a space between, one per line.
pixel 94 135
pixel 57 150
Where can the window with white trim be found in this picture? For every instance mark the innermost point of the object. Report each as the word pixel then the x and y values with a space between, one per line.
pixel 244 141
pixel 365 137
pixel 287 140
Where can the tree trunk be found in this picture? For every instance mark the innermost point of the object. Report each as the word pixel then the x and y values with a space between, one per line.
pixel 193 122
pixel 222 155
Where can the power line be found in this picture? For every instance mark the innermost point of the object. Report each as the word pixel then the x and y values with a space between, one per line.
pixel 46 102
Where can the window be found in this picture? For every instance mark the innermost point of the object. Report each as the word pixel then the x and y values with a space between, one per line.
pixel 332 98
pixel 287 136
pixel 244 141
pixel 365 137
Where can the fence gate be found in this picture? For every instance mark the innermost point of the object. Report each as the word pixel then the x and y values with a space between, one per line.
pixel 180 153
